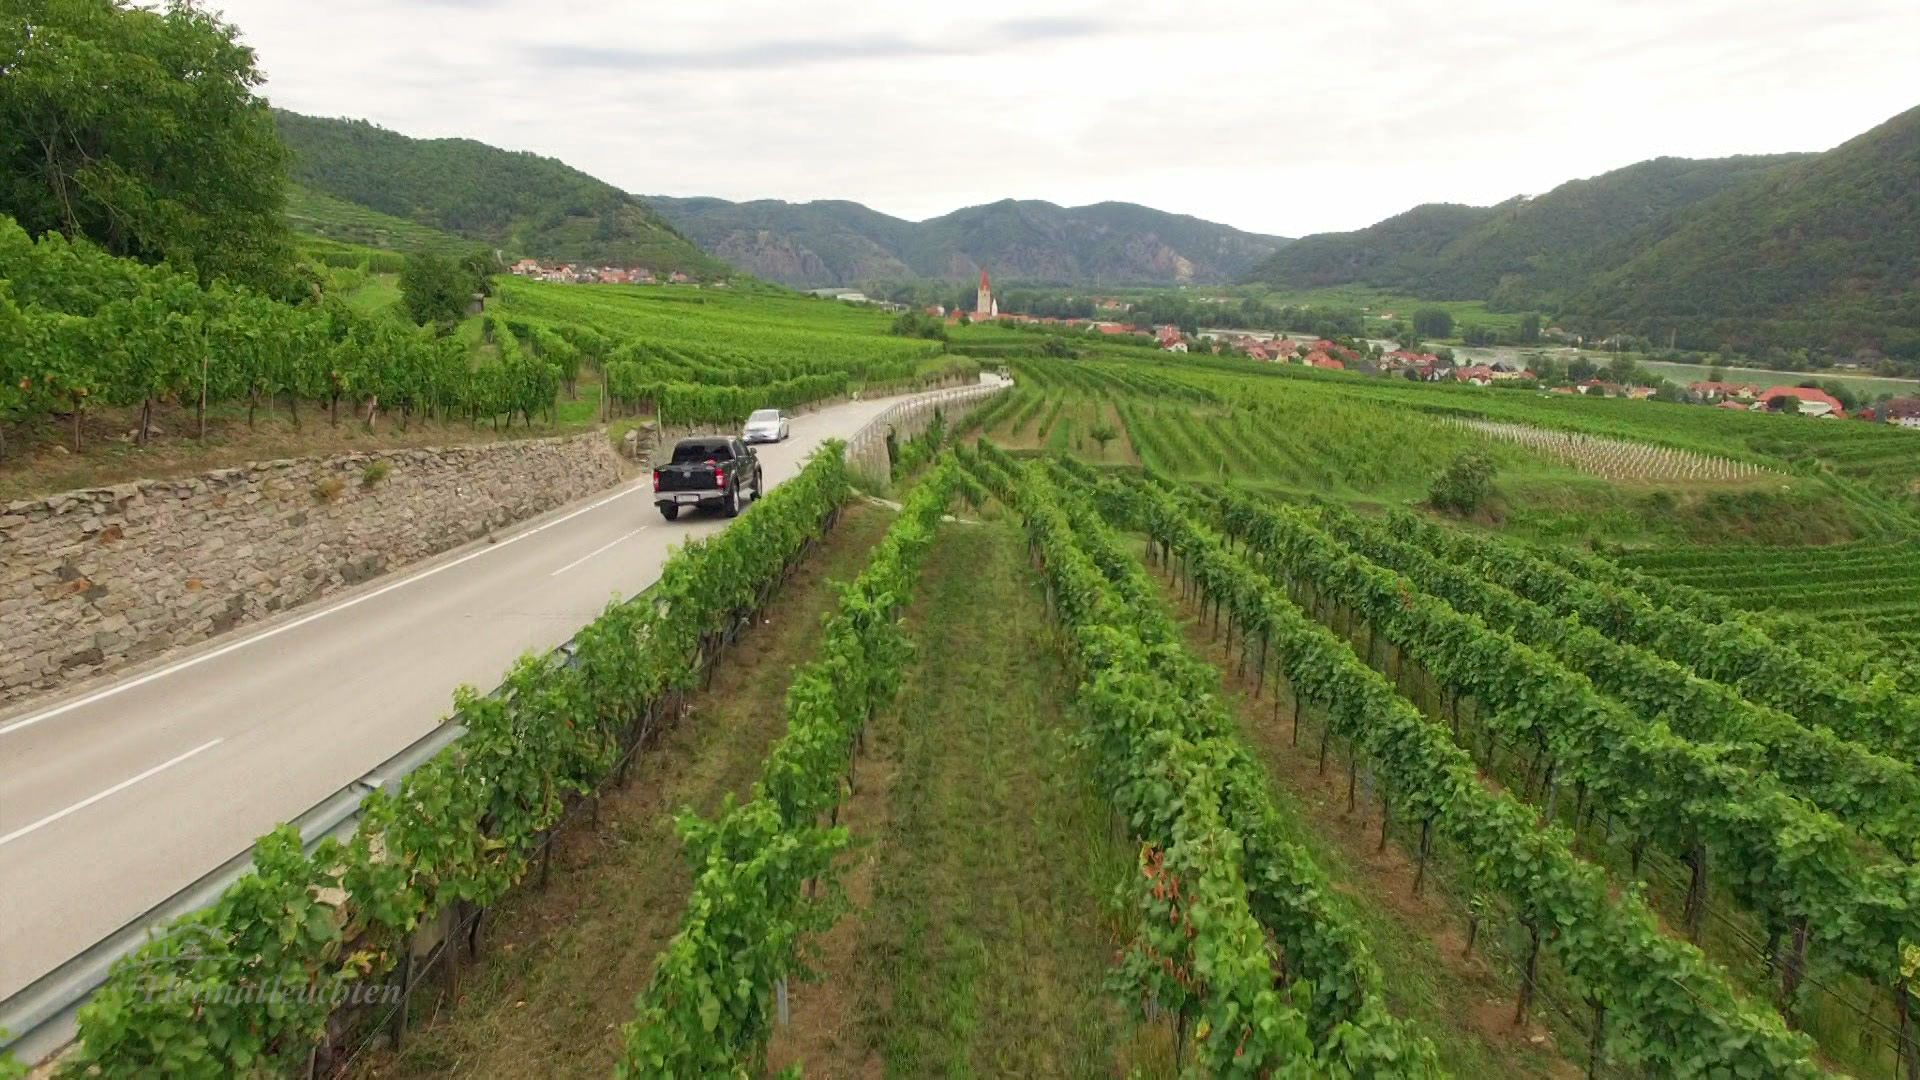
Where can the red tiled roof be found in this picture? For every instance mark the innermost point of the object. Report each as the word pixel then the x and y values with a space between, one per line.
pixel 1804 393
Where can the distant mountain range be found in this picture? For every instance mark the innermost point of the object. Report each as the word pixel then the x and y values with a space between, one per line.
pixel 1790 251
pixel 528 205
pixel 832 243
pixel 1785 251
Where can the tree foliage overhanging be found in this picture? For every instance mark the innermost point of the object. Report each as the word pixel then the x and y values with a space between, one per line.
pixel 144 132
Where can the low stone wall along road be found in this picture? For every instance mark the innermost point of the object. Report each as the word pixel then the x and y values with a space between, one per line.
pixel 115 799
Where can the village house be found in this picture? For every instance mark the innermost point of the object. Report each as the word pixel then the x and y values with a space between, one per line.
pixel 1904 411
pixel 1336 350
pixel 1817 403
pixel 1476 374
pixel 1719 391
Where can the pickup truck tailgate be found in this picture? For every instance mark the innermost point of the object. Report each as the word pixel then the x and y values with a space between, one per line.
pixel 691 477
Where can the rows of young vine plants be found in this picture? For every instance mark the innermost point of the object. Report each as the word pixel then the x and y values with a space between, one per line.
pixel 759 865
pixel 1220 890
pixel 1826 903
pixel 1657 1004
pixel 1872 587
pixel 1617 459
pixel 459 832
pixel 1707 634
pixel 80 329
pixel 712 358
pixel 1878 795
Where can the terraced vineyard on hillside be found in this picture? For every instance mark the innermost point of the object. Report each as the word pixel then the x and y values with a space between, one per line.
pixel 1871 587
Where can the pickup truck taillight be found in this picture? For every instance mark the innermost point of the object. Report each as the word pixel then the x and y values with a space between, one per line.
pixel 656 479
pixel 720 476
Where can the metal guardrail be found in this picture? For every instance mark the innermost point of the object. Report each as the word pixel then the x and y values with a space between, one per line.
pixel 41 1019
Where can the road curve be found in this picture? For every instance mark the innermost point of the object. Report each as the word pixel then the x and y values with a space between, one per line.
pixel 114 799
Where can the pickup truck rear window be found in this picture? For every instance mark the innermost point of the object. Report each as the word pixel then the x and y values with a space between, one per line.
pixel 692 453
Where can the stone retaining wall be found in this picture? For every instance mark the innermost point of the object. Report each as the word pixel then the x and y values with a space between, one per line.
pixel 93 579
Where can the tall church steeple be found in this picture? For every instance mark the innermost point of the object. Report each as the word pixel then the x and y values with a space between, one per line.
pixel 985 306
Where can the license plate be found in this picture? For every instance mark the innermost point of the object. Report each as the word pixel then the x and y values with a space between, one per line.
pixel 686 498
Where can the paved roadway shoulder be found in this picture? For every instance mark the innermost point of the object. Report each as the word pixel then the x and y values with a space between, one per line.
pixel 113 799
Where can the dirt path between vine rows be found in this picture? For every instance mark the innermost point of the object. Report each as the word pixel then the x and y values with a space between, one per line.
pixel 560 966
pixel 981 930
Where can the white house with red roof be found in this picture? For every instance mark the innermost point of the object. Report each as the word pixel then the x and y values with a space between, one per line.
pixel 1812 402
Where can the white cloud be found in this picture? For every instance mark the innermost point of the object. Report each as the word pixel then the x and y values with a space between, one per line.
pixel 1284 117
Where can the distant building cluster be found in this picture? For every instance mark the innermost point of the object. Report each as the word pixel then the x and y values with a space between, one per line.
pixel 569 274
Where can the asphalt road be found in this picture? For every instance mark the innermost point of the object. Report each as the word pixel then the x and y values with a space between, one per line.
pixel 113 800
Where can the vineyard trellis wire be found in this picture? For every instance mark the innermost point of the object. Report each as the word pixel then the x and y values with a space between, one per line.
pixel 1617 459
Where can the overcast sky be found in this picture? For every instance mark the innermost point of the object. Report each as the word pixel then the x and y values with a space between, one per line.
pixel 1271 115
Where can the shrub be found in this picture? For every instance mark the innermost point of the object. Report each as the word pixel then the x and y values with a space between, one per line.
pixel 374 473
pixel 329 489
pixel 1463 487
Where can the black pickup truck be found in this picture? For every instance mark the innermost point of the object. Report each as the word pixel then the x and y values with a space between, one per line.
pixel 715 471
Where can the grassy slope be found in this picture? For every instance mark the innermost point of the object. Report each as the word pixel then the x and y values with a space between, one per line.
pixel 982 934
pixel 317 214
pixel 561 966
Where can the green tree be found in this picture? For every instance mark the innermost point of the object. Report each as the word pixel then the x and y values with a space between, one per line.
pixel 434 289
pixel 1530 328
pixel 914 324
pixel 480 268
pixel 143 132
pixel 1103 433
pixel 1433 322
pixel 1463 486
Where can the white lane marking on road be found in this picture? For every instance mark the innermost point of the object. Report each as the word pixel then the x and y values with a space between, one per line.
pixel 596 551
pixel 192 661
pixel 114 790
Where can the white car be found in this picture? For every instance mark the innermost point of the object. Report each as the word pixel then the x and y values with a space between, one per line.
pixel 766 425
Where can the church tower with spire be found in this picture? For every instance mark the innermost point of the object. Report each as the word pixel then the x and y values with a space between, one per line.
pixel 985 307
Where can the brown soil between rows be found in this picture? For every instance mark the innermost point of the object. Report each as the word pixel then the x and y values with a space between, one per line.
pixel 560 966
pixel 1483 996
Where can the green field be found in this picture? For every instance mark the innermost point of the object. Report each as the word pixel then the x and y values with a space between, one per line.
pixel 1869 386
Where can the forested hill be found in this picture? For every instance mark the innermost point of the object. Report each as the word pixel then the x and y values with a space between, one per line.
pixel 1765 254
pixel 1822 251
pixel 1405 251
pixel 830 243
pixel 1525 252
pixel 522 203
